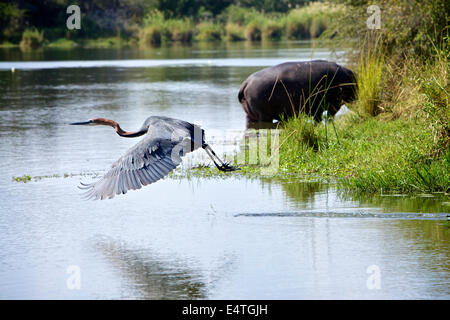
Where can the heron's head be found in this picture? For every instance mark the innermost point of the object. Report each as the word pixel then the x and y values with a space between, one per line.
pixel 115 125
pixel 96 121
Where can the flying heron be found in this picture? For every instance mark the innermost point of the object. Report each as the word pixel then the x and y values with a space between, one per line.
pixel 158 153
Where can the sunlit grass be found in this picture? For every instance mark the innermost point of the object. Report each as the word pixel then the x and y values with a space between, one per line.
pixel 63 43
pixel 369 79
pixel 208 31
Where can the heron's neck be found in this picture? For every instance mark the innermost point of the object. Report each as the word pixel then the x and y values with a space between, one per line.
pixel 119 130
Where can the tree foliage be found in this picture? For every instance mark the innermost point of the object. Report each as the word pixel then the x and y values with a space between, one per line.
pixel 109 17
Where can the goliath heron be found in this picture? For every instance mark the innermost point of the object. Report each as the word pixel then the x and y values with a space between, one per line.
pixel 158 153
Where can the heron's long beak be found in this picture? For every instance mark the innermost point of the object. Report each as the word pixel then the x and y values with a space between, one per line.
pixel 82 122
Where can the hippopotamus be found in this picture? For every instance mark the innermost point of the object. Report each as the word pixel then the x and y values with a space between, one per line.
pixel 284 90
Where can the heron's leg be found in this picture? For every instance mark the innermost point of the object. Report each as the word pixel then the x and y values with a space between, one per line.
pixel 224 166
pixel 208 152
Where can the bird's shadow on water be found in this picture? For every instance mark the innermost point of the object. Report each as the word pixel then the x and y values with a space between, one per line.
pixel 154 277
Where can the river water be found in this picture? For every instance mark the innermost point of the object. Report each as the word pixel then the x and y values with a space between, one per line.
pixel 180 238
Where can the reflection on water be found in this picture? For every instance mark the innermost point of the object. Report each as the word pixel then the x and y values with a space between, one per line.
pixel 307 195
pixel 179 238
pixel 150 277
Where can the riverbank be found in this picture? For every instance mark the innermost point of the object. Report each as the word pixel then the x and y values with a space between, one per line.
pixel 396 143
pixel 371 155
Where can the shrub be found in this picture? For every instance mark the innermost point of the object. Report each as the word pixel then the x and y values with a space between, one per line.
pixel 234 32
pixel 179 30
pixel 208 31
pixel 297 25
pixel 32 39
pixel 369 77
pixel 150 35
pixel 253 31
pixel 272 30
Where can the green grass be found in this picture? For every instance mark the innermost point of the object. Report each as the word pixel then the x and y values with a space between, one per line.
pixel 370 74
pixel 362 155
pixel 107 42
pixel 402 149
pixel 7 44
pixel 63 43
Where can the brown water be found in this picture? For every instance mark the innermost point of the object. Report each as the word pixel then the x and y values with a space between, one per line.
pixel 186 238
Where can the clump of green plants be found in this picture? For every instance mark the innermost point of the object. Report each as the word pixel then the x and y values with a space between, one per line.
pixel 253 31
pixel 158 29
pixel 234 32
pixel 108 42
pixel 272 30
pixel 302 134
pixel 297 24
pixel 434 87
pixel 208 31
pixel 25 178
pixel 150 35
pixel 63 43
pixel 32 39
pixel 369 79
pixel 180 30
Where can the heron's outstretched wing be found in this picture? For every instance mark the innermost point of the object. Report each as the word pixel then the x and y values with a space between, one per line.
pixel 158 153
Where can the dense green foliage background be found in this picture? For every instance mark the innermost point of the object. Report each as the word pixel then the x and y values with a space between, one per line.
pixel 109 17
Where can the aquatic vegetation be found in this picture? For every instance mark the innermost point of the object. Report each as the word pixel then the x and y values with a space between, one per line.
pixel 25 178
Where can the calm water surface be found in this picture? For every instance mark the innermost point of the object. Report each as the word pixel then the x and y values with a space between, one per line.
pixel 186 238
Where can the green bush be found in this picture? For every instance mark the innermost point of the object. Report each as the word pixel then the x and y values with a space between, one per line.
pixel 297 25
pixel 253 31
pixel 150 35
pixel 234 32
pixel 179 30
pixel 239 15
pixel 32 39
pixel 369 79
pixel 272 30
pixel 208 31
